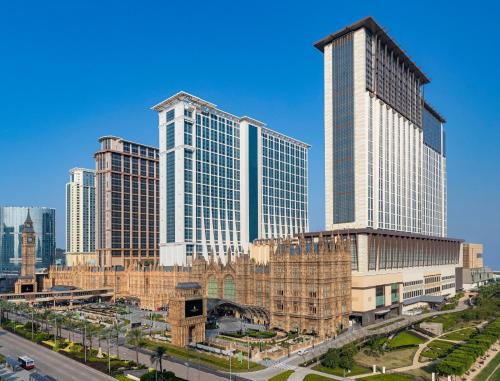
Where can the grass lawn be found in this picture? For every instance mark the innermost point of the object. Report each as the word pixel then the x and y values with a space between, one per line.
pixel 436 349
pixel 282 376
pixel 391 360
pixel 403 339
pixel 461 335
pixel 121 377
pixel 340 372
pixel 219 362
pixel 421 374
pixel 389 377
pixel 315 377
pixel 489 371
pixel 453 321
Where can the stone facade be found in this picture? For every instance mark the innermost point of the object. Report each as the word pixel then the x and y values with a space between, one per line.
pixel 305 286
pixel 27 281
pixel 187 329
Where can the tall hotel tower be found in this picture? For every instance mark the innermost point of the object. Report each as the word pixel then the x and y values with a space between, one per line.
pixel 385 161
pixel 127 203
pixel 225 181
pixel 385 173
pixel 80 211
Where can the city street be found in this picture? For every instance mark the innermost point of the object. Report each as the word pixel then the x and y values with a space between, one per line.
pixel 48 362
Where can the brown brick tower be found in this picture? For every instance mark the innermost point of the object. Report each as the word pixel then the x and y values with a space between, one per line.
pixel 27 281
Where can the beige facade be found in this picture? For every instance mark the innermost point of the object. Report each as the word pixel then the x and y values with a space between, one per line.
pixel 27 282
pixel 305 286
pixel 473 255
pixel 78 259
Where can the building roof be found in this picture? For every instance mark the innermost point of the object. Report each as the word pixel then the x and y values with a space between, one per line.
pixel 435 299
pixel 433 111
pixel 28 224
pixel 125 141
pixel 372 231
pixel 188 285
pixel 183 96
pixel 370 24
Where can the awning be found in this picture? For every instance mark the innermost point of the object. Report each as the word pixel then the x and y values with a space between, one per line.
pixel 433 299
pixel 382 312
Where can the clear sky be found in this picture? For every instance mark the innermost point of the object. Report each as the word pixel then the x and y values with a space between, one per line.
pixel 71 71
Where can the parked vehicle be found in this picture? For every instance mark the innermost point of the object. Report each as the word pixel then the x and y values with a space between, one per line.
pixel 26 362
pixel 302 352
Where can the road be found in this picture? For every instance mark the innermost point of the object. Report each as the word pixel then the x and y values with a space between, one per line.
pixel 48 362
pixel 187 370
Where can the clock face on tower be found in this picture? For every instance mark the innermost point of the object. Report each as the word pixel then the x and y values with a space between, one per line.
pixel 30 239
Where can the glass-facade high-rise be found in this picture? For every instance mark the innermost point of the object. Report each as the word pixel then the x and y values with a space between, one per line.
pixel 80 211
pixel 384 146
pixel 225 181
pixel 126 202
pixel 385 173
pixel 12 219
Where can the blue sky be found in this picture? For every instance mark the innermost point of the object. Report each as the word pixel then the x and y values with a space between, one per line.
pixel 73 71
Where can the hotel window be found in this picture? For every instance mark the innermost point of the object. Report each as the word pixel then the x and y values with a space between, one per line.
pixel 170 135
pixel 170 115
pixel 379 296
pixel 394 293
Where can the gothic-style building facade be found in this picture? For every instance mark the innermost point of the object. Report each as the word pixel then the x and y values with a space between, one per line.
pixel 304 286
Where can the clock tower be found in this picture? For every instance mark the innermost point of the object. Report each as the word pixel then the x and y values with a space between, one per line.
pixel 27 280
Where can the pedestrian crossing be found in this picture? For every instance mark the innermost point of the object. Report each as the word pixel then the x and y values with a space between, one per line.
pixel 278 365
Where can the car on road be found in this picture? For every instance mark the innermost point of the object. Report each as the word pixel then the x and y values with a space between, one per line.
pixel 26 362
pixel 302 352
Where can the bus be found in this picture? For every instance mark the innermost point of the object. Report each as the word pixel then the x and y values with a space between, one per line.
pixel 26 362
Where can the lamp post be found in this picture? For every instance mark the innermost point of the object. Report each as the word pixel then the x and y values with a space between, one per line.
pixel 109 358
pixel 32 322
pixel 84 341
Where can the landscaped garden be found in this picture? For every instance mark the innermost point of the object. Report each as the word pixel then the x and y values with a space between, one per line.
pixel 464 355
pixel 460 335
pixel 389 377
pixel 404 339
pixel 214 361
pixel 390 359
pixel 436 349
pixel 282 376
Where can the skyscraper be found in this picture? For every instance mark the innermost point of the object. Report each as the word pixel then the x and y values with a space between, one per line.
pixel 225 181
pixel 385 174
pixel 126 202
pixel 80 211
pixel 12 220
pixel 385 161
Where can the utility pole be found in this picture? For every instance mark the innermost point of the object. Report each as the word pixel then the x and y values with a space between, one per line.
pixel 109 358
pixel 84 341
pixel 230 356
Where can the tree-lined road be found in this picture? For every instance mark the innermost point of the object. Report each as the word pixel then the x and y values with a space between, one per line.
pixel 47 361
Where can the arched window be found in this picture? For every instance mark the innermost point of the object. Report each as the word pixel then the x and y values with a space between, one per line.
pixel 212 289
pixel 229 291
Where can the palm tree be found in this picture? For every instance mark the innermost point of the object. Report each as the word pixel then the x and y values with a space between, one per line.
pixel 45 317
pixel 157 356
pixel 118 329
pixel 135 337
pixel 5 307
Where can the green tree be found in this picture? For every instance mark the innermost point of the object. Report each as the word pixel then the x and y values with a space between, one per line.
pixel 135 337
pixel 332 358
pixel 157 356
